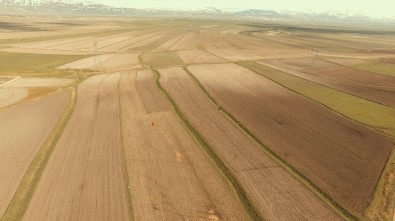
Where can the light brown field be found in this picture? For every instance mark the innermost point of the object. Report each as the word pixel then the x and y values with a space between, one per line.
pixel 30 124
pixel 188 42
pixel 286 121
pixel 83 179
pixel 40 82
pixel 171 177
pixel 165 46
pixel 212 39
pixel 10 96
pixel 276 194
pixel 106 62
pixel 198 56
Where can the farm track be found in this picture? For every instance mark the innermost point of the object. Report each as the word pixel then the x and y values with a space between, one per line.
pixel 250 162
pixel 269 111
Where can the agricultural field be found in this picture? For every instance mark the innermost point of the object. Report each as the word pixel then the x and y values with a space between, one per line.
pixel 121 118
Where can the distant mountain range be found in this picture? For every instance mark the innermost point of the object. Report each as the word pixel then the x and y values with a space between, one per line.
pixel 87 7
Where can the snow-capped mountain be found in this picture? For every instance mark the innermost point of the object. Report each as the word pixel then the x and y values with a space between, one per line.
pixel 87 7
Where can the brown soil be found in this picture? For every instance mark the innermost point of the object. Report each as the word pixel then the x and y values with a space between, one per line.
pixel 375 87
pixel 198 56
pixel 188 42
pixel 275 193
pixel 341 157
pixel 23 130
pixel 171 177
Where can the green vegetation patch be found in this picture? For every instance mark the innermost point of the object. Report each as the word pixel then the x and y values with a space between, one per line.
pixel 161 59
pixel 375 115
pixel 380 68
pixel 35 64
pixel 58 37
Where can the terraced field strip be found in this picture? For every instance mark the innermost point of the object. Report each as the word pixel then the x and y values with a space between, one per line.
pixel 171 177
pixel 83 179
pixel 367 85
pixel 23 131
pixel 241 43
pixel 36 82
pixel 119 62
pixel 212 39
pixel 273 192
pixel 166 45
pixel 198 56
pixel 140 46
pixel 188 42
pixel 161 59
pixel 86 63
pixel 53 43
pixel 374 115
pixel 18 41
pixel 331 151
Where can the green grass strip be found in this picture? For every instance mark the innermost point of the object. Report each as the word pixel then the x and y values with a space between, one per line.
pixel 300 176
pixel 123 154
pixel 21 199
pixel 251 210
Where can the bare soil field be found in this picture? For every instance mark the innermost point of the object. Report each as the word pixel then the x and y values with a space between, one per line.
pixel 86 63
pixel 171 177
pixel 119 62
pixel 9 96
pixel 234 54
pixel 377 116
pixel 198 56
pixel 212 39
pixel 276 139
pixel 30 124
pixel 140 45
pixel 165 46
pixel 275 193
pixel 106 62
pixel 336 158
pixel 371 86
pixel 40 82
pixel 188 42
pixel 83 179
pixel 161 59
pixel 240 42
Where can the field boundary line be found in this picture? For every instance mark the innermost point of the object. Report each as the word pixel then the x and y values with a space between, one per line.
pixel 123 154
pixel 274 67
pixel 250 209
pixel 288 167
pixel 370 127
pixel 387 166
pixel 24 193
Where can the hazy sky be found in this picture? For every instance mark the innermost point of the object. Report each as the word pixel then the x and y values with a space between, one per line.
pixel 370 7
